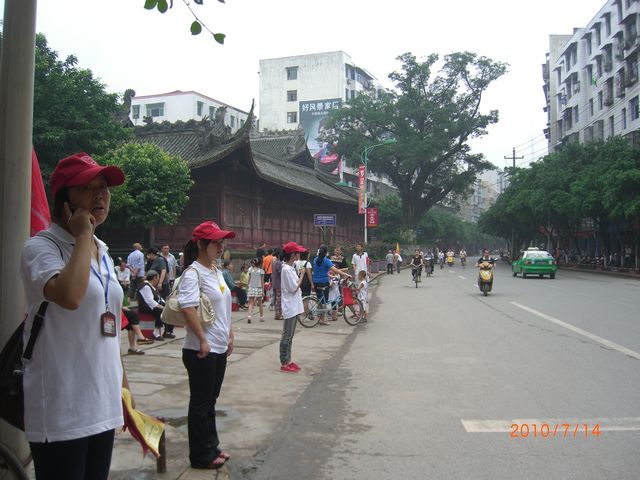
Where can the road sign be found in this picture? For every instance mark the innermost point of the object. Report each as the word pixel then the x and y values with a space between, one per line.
pixel 324 219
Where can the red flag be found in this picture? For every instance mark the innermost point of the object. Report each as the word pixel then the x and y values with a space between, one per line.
pixel 40 216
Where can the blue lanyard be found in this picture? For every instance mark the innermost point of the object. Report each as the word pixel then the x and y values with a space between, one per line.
pixel 106 289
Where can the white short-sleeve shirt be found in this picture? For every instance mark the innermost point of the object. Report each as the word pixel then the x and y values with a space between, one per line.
pixel 360 262
pixel 72 385
pixel 214 286
pixel 291 295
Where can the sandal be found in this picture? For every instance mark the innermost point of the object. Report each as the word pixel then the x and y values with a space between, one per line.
pixel 224 455
pixel 145 341
pixel 215 464
pixel 137 351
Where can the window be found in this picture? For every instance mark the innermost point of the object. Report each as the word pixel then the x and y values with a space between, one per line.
pixel 587 39
pixel 212 112
pixel 200 107
pixel 232 121
pixel 292 73
pixel 155 110
pixel 623 114
pixel 598 37
pixel 292 95
pixel 353 94
pixel 634 107
pixel 607 24
pixel 611 126
pixel 346 94
pixel 292 117
pixel 135 111
pixel 600 101
pixel 591 107
pixel 576 117
pixel 241 122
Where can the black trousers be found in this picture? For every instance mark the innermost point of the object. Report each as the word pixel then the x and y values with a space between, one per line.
pixel 205 380
pixel 242 295
pixel 87 458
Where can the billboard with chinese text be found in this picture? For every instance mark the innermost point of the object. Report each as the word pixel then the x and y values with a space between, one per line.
pixel 312 117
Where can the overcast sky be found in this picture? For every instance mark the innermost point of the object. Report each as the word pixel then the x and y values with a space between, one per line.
pixel 129 47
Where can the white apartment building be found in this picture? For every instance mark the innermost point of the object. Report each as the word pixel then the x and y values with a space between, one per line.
pixel 302 89
pixel 179 105
pixel 591 78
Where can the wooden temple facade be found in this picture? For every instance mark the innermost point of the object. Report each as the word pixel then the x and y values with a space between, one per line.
pixel 263 187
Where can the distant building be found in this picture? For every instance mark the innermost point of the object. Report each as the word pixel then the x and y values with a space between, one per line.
pixel 184 106
pixel 303 89
pixel 591 79
pixel 484 195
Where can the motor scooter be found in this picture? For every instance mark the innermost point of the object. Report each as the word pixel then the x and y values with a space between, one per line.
pixel 485 276
pixel 450 260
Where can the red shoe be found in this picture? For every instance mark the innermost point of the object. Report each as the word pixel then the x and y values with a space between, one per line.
pixel 288 369
pixel 295 365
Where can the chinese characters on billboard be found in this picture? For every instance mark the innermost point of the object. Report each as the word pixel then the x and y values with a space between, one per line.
pixel 313 115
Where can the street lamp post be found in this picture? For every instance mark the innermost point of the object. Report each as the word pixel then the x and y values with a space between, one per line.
pixel 364 158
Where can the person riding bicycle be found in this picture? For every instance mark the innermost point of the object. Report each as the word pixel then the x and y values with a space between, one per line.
pixel 441 259
pixel 428 261
pixel 416 266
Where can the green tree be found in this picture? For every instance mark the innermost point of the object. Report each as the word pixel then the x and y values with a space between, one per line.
pixel 156 186
pixel 72 111
pixel 431 118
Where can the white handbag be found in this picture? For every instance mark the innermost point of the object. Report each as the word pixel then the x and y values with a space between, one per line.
pixel 172 312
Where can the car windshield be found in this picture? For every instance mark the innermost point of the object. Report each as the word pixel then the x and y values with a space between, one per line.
pixel 537 255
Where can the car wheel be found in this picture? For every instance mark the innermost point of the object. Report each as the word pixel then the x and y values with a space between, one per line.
pixel 552 276
pixel 515 274
pixel 524 275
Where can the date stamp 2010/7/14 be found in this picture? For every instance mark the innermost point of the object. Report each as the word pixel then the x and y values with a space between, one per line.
pixel 555 430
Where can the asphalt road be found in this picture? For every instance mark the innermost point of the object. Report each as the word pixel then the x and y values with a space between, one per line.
pixel 443 383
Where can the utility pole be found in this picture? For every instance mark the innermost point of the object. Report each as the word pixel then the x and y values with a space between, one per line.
pixel 513 158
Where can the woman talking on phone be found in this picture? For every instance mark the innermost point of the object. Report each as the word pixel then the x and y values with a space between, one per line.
pixel 72 385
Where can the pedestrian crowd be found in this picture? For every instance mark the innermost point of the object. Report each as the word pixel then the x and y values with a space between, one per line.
pixel 72 385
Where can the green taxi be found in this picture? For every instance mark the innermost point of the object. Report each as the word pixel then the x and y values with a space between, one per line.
pixel 533 261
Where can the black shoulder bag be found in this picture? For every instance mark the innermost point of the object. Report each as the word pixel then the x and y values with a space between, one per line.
pixel 12 361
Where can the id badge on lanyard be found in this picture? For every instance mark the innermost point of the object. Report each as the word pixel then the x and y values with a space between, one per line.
pixel 107 319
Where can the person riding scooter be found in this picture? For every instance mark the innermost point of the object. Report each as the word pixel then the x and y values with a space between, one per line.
pixel 485 275
pixel 450 257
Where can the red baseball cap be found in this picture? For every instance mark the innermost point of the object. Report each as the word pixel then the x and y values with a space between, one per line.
pixel 80 169
pixel 293 247
pixel 210 231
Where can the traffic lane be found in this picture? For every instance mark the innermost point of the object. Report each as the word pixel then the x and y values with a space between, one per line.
pixel 605 306
pixel 464 358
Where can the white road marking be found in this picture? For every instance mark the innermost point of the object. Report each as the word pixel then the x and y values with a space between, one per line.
pixel 463 278
pixel 579 331
pixel 621 424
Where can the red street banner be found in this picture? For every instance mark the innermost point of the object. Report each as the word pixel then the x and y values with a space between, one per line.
pixel 361 187
pixel 372 217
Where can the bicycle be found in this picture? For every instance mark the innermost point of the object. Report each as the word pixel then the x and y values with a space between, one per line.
pixel 347 301
pixel 415 273
pixel 10 465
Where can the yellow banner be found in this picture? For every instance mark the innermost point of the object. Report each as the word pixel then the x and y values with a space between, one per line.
pixel 147 430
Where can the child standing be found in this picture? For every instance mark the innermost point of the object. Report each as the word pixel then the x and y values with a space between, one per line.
pixel 243 283
pixel 256 288
pixel 292 307
pixel 363 292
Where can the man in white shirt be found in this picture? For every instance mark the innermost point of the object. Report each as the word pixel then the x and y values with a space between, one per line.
pixel 171 261
pixel 360 261
pixel 135 261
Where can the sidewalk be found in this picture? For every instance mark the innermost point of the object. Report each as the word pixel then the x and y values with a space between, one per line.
pixel 628 274
pixel 255 396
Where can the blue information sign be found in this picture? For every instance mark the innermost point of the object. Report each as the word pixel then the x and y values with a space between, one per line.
pixel 324 219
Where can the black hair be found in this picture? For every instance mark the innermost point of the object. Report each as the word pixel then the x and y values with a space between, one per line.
pixel 153 250
pixel 269 251
pixel 277 252
pixel 190 251
pixel 304 255
pixel 287 256
pixel 226 263
pixel 59 200
pixel 322 252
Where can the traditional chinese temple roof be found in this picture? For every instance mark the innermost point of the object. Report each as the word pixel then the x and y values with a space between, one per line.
pixel 281 158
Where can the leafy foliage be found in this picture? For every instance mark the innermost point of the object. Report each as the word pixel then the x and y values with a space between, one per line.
pixel 598 181
pixel 72 111
pixel 432 120
pixel 197 25
pixel 156 187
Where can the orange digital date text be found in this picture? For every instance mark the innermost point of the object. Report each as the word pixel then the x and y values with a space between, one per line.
pixel 554 430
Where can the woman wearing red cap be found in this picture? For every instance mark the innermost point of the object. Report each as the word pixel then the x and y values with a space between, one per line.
pixel 206 347
pixel 72 385
pixel 292 305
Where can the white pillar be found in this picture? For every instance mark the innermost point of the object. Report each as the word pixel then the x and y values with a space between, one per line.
pixel 16 125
